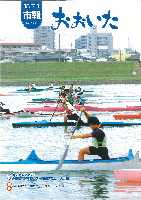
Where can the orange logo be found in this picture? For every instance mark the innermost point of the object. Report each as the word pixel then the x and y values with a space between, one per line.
pixel 9 186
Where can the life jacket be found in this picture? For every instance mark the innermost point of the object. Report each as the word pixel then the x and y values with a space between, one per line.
pixel 68 111
pixel 99 144
pixel 28 87
pixel 46 101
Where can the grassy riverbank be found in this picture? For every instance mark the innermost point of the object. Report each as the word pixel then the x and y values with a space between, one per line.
pixel 84 73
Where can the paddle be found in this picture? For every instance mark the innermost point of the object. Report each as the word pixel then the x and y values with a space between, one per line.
pixel 66 151
pixel 54 111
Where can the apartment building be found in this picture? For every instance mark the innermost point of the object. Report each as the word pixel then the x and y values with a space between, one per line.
pixel 45 35
pixel 100 44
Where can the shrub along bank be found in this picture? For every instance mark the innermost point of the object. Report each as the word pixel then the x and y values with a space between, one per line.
pixel 67 73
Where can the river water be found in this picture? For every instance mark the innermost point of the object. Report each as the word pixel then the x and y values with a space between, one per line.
pixel 49 143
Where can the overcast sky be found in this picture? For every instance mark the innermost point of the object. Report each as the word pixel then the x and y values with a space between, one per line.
pixel 128 13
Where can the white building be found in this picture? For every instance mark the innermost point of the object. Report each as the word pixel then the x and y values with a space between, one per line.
pixel 99 44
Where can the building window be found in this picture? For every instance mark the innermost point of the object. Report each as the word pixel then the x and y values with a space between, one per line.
pixel 5 46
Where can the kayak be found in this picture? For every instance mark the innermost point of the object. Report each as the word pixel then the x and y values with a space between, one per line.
pixel 46 123
pixel 44 99
pixel 22 114
pixel 48 99
pixel 6 95
pixel 83 95
pixel 28 91
pixel 88 108
pixel 34 163
pixel 76 91
pixel 129 116
pixel 128 174
pixel 32 90
pixel 88 91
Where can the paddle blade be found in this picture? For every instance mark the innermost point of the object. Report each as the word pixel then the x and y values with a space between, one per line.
pixel 63 158
pixel 66 151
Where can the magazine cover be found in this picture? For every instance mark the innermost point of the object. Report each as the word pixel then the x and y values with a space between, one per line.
pixel 70 100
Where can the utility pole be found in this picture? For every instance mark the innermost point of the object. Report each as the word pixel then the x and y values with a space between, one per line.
pixel 71 53
pixel 59 47
pixel 120 55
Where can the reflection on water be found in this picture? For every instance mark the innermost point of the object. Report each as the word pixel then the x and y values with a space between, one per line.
pixel 97 184
pixel 128 186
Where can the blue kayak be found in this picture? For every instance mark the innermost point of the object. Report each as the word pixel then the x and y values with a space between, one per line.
pixel 46 123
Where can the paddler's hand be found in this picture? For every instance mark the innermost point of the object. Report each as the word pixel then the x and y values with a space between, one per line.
pixel 64 100
pixel 82 109
pixel 72 136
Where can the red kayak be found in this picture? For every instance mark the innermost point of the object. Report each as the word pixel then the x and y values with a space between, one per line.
pixel 128 174
pixel 129 116
pixel 88 108
pixel 6 95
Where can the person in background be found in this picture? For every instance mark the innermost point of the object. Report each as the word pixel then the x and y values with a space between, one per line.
pixel 33 86
pixel 62 94
pixel 63 91
pixel 79 91
pixel 3 110
pixel 99 139
pixel 79 101
pixel 71 88
pixel 28 87
pixel 70 112
pixel 51 85
pixel 69 96
pixel 74 88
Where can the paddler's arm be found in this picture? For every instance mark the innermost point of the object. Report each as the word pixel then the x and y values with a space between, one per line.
pixel 58 114
pixel 81 136
pixel 64 100
pixel 86 114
